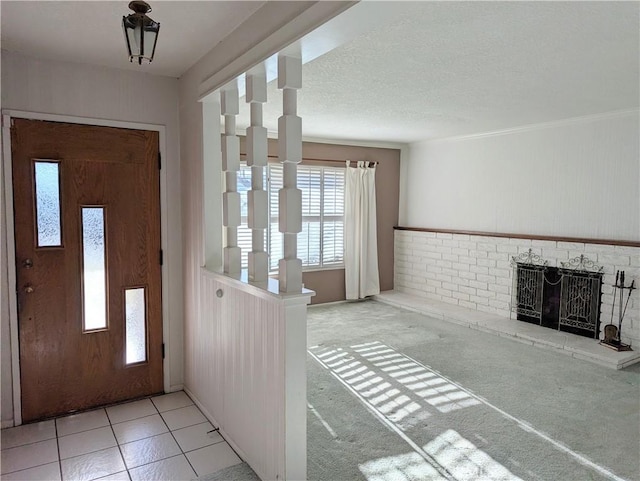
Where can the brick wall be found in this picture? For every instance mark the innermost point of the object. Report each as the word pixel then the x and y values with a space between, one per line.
pixel 475 271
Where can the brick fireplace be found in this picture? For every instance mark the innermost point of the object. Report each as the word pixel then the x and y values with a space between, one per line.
pixel 474 270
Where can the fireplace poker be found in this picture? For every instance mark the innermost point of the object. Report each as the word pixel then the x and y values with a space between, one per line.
pixel 631 288
pixel 621 301
pixel 615 290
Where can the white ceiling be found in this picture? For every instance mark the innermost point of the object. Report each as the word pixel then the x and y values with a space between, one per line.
pixel 91 31
pixel 426 70
pixel 441 69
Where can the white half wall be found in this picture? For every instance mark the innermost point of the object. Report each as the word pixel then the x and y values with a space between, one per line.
pixel 574 178
pixel 246 371
pixel 78 90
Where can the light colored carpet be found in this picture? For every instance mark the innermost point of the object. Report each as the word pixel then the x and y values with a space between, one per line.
pixel 479 407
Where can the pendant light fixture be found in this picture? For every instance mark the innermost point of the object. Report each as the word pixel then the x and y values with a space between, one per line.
pixel 140 32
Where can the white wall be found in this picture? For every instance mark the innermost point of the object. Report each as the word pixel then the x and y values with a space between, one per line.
pixel 85 91
pixel 575 178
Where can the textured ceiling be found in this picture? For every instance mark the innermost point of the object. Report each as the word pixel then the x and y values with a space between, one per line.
pixel 440 69
pixel 91 31
pixel 432 70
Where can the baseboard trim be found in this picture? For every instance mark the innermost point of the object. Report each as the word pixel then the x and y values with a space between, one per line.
pixel 7 424
pixel 331 303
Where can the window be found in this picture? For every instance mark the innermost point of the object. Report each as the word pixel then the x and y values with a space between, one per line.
pixel 135 325
pixel 321 242
pixel 47 180
pixel 244 233
pixel 94 273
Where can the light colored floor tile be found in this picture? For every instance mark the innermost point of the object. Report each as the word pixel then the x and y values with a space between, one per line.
pixel 46 472
pixel 196 437
pixel 93 465
pixel 121 476
pixel 86 442
pixel 29 455
pixel 77 423
pixel 149 450
pixel 175 469
pixel 172 400
pixel 183 417
pixel 130 431
pixel 212 458
pixel 129 411
pixel 27 434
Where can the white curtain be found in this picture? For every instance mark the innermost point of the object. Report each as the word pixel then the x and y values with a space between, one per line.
pixel 361 241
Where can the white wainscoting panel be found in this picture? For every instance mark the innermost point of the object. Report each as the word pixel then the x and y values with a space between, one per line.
pixel 245 369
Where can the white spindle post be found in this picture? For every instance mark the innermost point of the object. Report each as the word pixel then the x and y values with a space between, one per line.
pixel 257 197
pixel 231 166
pixel 290 155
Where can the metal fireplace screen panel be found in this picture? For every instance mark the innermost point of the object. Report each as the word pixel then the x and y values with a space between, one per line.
pixel 527 290
pixel 580 300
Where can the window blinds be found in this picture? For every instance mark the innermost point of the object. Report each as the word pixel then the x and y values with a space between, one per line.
pixel 321 242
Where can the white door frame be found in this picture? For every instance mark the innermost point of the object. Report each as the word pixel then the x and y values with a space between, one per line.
pixel 7 115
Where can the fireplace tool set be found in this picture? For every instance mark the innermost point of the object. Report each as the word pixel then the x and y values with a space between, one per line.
pixel 612 333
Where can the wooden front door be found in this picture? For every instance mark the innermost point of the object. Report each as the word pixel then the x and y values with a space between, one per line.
pixel 87 232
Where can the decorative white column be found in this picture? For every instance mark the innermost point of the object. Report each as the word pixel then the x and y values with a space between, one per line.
pixel 231 166
pixel 212 186
pixel 290 155
pixel 257 197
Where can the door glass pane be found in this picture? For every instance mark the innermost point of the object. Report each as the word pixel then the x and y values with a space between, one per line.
pixel 94 273
pixel 135 313
pixel 48 204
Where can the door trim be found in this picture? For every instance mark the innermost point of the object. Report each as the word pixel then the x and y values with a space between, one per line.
pixel 7 173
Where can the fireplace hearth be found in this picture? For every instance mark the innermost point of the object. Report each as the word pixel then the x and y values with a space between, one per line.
pixel 565 298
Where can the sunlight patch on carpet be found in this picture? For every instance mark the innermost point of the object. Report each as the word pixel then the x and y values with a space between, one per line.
pixel 399 388
pixel 464 460
pixel 459 457
pixel 409 466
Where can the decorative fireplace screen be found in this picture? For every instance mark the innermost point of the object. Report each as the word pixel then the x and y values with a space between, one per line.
pixel 566 298
pixel 528 282
pixel 581 293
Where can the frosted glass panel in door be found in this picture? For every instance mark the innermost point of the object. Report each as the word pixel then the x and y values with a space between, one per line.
pixel 94 269
pixel 136 332
pixel 47 176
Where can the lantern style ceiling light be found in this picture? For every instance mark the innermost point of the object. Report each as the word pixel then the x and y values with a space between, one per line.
pixel 140 32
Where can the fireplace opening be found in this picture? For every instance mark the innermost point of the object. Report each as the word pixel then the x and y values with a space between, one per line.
pixel 566 298
pixel 551 293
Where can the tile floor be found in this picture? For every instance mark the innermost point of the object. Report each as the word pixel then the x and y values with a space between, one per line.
pixel 164 438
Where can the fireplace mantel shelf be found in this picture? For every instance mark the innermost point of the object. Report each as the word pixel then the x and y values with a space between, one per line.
pixel 562 342
pixel 582 240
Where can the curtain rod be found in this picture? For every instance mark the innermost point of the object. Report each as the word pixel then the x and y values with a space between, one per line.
pixel 317 160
